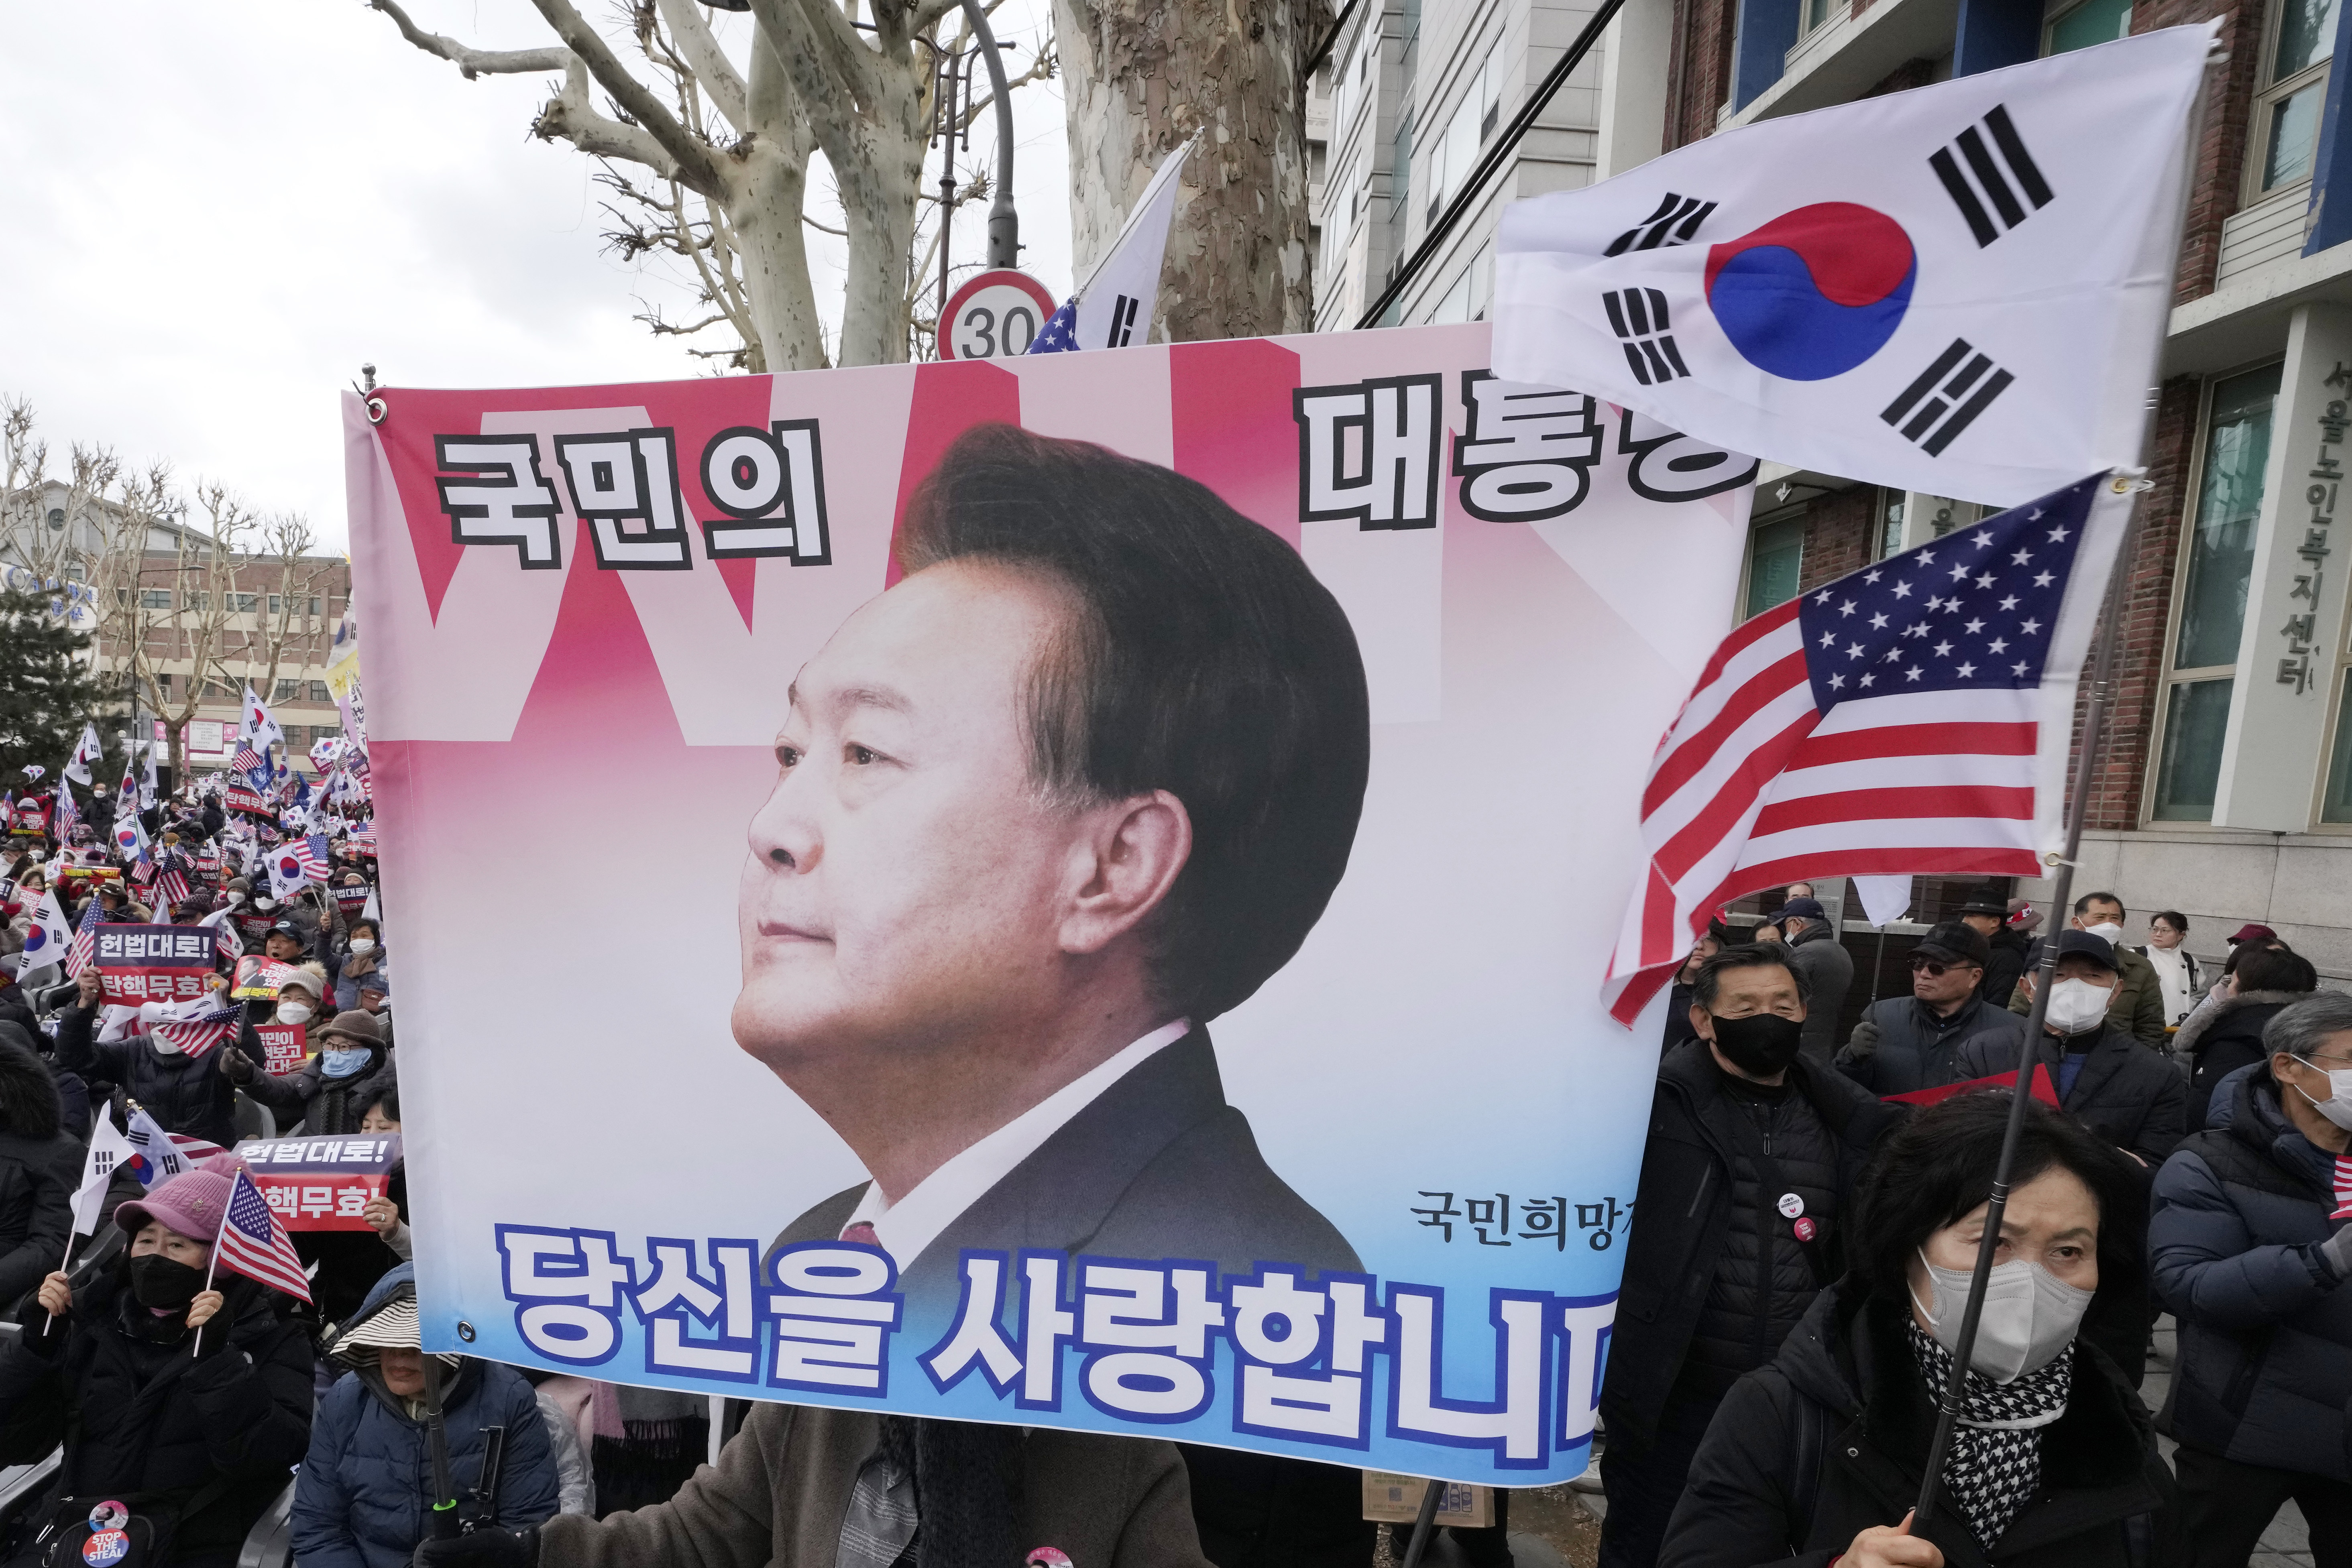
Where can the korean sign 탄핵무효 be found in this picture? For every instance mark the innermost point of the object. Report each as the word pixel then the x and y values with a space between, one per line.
pixel 1338 659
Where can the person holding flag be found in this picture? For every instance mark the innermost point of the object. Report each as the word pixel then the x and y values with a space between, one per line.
pixel 180 1393
pixel 174 1069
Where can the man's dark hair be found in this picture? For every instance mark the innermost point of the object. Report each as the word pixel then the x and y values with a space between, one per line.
pixel 2275 970
pixel 1203 659
pixel 1707 984
pixel 1936 1167
pixel 2083 905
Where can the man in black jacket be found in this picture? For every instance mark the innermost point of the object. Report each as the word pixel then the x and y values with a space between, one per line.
pixel 1751 1159
pixel 1990 916
pixel 2106 1079
pixel 1907 1043
pixel 1828 969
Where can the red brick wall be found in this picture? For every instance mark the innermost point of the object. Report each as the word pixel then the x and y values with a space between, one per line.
pixel 2147 610
pixel 1700 71
pixel 2221 151
pixel 1837 536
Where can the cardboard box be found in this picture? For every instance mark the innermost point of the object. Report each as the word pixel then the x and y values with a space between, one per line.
pixel 1393 1499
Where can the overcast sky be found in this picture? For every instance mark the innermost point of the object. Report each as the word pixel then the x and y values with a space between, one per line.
pixel 219 211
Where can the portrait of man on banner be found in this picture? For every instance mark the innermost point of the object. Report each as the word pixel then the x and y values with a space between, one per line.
pixel 1081 781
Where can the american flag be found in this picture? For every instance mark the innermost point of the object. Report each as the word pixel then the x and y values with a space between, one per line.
pixel 69 815
pixel 251 765
pixel 1912 717
pixel 252 1243
pixel 207 1022
pixel 171 881
pixel 84 950
pixel 1060 335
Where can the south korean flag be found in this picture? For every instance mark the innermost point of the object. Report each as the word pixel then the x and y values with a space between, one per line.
pixel 1960 290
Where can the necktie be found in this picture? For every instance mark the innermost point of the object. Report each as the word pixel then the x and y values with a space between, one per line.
pixel 862 1234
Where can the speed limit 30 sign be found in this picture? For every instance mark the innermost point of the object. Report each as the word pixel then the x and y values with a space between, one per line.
pixel 995 315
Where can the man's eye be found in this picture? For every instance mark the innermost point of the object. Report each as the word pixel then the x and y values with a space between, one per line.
pixel 788 756
pixel 859 755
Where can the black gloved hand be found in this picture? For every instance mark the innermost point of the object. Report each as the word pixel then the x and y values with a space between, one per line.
pixel 485 1546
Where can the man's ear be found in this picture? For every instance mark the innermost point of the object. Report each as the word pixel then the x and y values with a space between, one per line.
pixel 1124 865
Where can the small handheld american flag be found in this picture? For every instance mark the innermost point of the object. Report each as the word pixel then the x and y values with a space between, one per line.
pixel 254 1244
pixel 84 951
pixel 1914 717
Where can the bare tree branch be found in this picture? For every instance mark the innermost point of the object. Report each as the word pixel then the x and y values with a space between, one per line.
pixel 709 64
pixel 472 62
pixel 568 116
pixel 695 167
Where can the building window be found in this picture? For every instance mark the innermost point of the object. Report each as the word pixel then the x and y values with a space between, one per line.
pixel 2091 22
pixel 2294 75
pixel 1820 12
pixel 2336 805
pixel 1455 153
pixel 155 599
pixel 2212 610
pixel 288 690
pixel 318 691
pixel 1776 555
pixel 164 685
pixel 1890 523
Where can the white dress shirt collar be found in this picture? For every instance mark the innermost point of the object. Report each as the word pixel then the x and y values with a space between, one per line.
pixel 913 1222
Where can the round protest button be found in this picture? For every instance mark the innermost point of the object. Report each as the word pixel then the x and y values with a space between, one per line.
pixel 1806 1229
pixel 1791 1205
pixel 105 1547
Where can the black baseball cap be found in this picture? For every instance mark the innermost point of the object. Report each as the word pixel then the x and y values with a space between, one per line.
pixel 1802 908
pixel 286 928
pixel 1954 942
pixel 1991 903
pixel 2090 944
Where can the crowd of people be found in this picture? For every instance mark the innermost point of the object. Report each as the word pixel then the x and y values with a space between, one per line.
pixel 1809 1211
pixel 1807 1222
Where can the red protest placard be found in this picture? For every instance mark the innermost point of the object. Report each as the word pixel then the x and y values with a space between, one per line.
pixel 353 899
pixel 284 1046
pixel 154 963
pixel 2044 1090
pixel 259 977
pixel 321 1184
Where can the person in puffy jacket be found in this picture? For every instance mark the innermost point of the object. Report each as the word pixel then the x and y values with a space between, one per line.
pixel 334 1090
pixel 198 1398
pixel 191 1094
pixel 1907 1043
pixel 2218 1040
pixel 1818 1458
pixel 39 1167
pixel 366 1490
pixel 2252 1251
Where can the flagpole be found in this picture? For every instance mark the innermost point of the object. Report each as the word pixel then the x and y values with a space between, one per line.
pixel 2062 892
pixel 212 1268
pixel 64 1264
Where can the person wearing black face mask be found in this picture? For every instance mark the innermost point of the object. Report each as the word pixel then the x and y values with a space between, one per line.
pixel 203 1424
pixel 1750 1162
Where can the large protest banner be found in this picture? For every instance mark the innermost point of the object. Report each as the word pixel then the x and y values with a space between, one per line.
pixel 1378 1221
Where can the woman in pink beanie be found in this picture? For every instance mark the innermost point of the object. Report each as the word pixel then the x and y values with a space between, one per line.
pixel 203 1424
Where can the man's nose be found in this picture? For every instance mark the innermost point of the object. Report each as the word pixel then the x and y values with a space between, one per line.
pixel 783 831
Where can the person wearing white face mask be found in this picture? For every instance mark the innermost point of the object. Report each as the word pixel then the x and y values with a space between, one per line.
pixel 2105 1079
pixel 2251 1243
pixel 186 1093
pixel 2053 1464
pixel 2138 1003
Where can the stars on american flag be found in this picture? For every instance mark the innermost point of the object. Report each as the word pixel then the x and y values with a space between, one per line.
pixel 1967 611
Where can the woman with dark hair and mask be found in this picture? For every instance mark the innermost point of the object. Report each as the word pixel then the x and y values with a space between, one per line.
pixel 1818 1458
pixel 170 1421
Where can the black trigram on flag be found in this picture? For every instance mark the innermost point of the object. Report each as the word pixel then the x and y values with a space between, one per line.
pixel 1123 322
pixel 1676 220
pixel 2003 187
pixel 1638 317
pixel 1947 397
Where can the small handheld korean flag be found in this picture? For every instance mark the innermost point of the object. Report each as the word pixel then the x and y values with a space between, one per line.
pixel 109 1151
pixel 260 730
pixel 1113 307
pixel 86 752
pixel 1960 290
pixel 50 937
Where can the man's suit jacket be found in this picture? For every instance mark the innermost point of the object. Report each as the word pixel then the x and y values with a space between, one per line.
pixel 1158 1165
